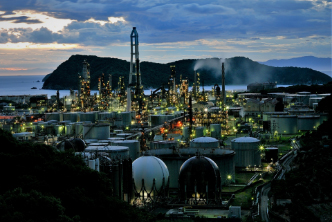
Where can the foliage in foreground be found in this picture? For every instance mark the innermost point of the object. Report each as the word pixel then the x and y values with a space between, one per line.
pixel 41 184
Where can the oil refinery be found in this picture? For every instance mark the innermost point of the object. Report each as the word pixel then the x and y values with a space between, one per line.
pixel 180 145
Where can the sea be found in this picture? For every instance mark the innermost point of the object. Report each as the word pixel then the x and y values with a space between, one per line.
pixel 22 85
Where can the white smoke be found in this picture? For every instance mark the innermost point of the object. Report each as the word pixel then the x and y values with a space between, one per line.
pixel 213 63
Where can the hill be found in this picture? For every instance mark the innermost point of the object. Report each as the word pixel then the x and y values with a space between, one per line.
pixel 320 64
pixel 239 70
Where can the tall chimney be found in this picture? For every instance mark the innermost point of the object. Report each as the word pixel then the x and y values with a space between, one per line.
pixel 223 92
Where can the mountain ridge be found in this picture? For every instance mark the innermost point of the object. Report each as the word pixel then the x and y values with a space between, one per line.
pixel 316 63
pixel 238 70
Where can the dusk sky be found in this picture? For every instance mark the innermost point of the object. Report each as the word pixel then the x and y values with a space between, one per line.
pixel 38 35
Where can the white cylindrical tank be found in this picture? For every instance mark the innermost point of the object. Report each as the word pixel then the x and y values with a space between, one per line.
pixel 204 142
pixel 247 151
pixel 215 130
pixel 307 123
pixel 133 145
pixel 149 168
pixel 96 131
pixel 114 152
pixel 284 124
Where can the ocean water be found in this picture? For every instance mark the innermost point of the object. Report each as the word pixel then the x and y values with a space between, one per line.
pixel 21 85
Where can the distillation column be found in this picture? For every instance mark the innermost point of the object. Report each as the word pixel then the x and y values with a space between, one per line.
pixel 133 61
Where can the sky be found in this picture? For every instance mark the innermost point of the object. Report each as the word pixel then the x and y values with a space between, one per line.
pixel 36 36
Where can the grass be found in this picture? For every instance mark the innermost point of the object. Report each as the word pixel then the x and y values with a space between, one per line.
pixel 243 178
pixel 230 189
pixel 243 199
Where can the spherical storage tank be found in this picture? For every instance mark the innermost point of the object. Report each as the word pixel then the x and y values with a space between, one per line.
pixel 204 142
pixel 306 123
pixel 96 131
pixel 153 171
pixel 284 124
pixel 246 151
pixel 200 174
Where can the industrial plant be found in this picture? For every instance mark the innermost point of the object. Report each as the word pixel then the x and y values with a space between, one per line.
pixel 180 146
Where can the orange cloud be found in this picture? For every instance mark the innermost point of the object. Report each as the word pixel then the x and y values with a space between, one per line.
pixel 13 69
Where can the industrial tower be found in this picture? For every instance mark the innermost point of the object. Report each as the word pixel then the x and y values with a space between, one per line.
pixel 84 86
pixel 134 73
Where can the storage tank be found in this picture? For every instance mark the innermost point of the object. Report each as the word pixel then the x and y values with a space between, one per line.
pixel 68 129
pixel 247 151
pixel 204 142
pixel 199 132
pixel 156 120
pixel 111 139
pixel 89 116
pixel 307 123
pixel 199 178
pixel 284 124
pixel 185 133
pixel 153 171
pixel 133 145
pixel 106 115
pixel 126 118
pixel 78 128
pixel 215 130
pixel 163 144
pixel 96 131
pixel 271 154
pixel 267 115
pixel 114 152
pixel 123 135
pixel 58 129
pixel 71 116
pixel 52 116
pixel 98 144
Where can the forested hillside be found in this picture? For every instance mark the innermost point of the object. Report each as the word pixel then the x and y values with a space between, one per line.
pixel 239 70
